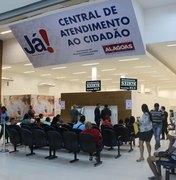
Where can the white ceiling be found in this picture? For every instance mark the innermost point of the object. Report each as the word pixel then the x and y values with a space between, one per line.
pixel 155 70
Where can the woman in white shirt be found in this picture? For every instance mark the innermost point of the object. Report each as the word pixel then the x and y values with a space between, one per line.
pixel 145 132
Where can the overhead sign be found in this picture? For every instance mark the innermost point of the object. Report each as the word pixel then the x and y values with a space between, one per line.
pixel 128 83
pixel 93 85
pixel 95 30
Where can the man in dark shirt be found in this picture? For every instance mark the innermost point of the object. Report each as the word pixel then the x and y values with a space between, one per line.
pixel 97 115
pixel 157 124
pixel 105 112
pixel 164 122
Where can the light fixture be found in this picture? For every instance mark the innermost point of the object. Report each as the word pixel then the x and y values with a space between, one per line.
pixel 132 59
pixel 28 72
pixel 120 74
pixel 28 64
pixel 44 75
pixel 105 70
pixel 6 67
pixel 171 45
pixel 60 77
pixel 7 79
pixel 6 32
pixel 90 64
pixel 79 73
pixel 46 84
pixel 56 68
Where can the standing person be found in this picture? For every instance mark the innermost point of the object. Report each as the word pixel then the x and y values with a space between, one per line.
pixel 4 118
pixel 105 112
pixel 157 124
pixel 97 115
pixel 31 111
pixel 146 132
pixel 74 114
pixel 164 121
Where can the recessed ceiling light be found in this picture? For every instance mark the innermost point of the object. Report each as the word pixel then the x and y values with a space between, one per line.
pixel 171 45
pixel 60 77
pixel 149 72
pixel 28 72
pixel 164 79
pixel 43 75
pixel 6 67
pixel 90 64
pixel 79 73
pixel 141 67
pixel 132 59
pixel 5 32
pixel 56 68
pixel 28 64
pixel 105 70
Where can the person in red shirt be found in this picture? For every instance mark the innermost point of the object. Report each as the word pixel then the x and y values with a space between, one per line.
pixel 107 121
pixel 94 132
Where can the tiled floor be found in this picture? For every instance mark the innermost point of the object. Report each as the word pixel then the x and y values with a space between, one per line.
pixel 16 166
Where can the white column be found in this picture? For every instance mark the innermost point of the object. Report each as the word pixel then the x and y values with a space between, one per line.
pixel 94 73
pixel 142 89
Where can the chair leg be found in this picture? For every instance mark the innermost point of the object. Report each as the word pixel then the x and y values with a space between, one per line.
pixel 50 154
pixel 53 156
pixel 15 150
pixel 167 175
pixel 118 155
pixel 31 153
pixel 75 158
pixel 98 159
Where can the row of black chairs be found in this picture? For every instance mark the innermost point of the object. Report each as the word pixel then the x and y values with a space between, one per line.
pixel 39 138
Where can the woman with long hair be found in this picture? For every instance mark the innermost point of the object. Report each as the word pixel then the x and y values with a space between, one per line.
pixel 145 132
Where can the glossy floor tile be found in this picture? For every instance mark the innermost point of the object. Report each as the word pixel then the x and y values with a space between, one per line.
pixel 17 166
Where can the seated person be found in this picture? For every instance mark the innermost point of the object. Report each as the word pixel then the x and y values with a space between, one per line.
pixel 26 120
pixel 80 124
pixel 94 132
pixel 38 122
pixel 60 121
pixel 156 168
pixel 120 123
pixel 47 121
pixel 107 121
pixel 41 118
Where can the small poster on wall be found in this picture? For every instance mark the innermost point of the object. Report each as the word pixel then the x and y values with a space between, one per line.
pixel 62 104
pixel 128 104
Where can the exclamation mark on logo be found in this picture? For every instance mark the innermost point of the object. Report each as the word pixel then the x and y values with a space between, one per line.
pixel 44 35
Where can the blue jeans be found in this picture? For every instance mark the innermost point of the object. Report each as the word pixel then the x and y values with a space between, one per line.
pixel 157 132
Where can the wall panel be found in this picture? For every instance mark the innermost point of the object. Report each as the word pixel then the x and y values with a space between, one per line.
pixel 117 98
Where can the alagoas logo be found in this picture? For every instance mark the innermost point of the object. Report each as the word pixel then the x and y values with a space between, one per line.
pixel 38 44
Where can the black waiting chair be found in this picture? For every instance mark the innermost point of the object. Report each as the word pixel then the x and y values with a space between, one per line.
pixel 39 138
pixel 169 165
pixel 15 138
pixel 55 142
pixel 71 143
pixel 88 145
pixel 124 134
pixel 27 140
pixel 110 140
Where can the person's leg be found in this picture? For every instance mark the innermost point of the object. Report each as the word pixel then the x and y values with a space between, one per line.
pixel 163 132
pixel 148 148
pixel 151 161
pixel 154 132
pixel 158 133
pixel 141 147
